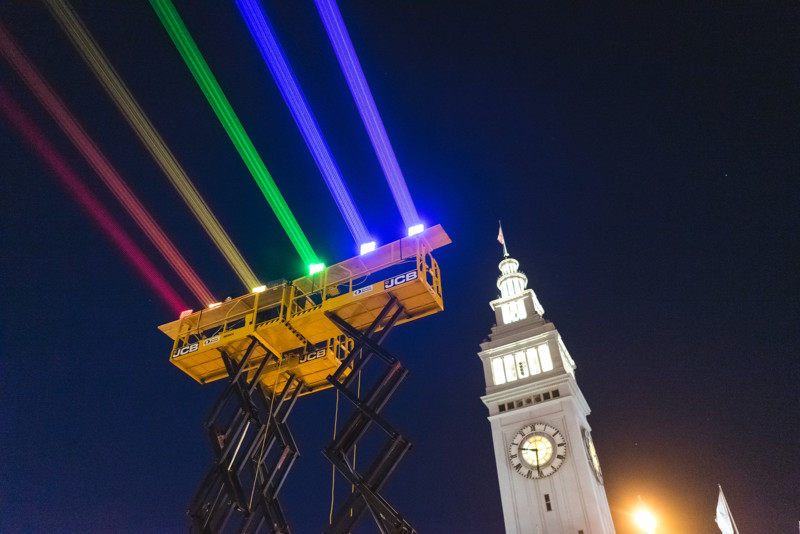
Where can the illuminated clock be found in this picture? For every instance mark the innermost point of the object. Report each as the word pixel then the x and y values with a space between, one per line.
pixel 591 453
pixel 537 450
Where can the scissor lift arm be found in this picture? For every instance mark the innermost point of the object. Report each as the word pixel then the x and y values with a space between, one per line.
pixel 245 425
pixel 367 412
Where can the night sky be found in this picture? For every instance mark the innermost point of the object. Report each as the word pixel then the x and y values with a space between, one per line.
pixel 644 161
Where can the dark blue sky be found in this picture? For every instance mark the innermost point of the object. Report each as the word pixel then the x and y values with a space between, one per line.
pixel 644 160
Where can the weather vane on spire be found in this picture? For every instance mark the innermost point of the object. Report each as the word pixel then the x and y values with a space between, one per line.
pixel 502 240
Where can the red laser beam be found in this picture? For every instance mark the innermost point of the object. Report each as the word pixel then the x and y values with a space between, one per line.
pixel 97 160
pixel 94 208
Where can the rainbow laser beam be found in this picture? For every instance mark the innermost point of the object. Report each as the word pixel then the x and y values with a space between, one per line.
pixel 94 208
pixel 267 42
pixel 202 74
pixel 345 53
pixel 88 49
pixel 97 160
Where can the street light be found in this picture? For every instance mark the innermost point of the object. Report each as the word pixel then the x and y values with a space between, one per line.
pixel 645 520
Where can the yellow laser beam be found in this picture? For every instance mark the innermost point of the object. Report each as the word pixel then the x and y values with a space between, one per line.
pixel 89 50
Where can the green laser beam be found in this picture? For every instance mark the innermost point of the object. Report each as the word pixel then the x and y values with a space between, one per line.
pixel 219 103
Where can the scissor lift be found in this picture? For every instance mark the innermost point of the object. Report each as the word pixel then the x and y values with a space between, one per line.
pixel 291 339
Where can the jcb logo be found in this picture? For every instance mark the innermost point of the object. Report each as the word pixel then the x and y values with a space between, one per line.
pixel 400 279
pixel 307 357
pixel 186 350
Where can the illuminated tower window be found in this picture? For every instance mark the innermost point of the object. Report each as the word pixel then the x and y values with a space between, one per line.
pixel 511 368
pixel 521 364
pixel 497 371
pixel 540 359
pixel 514 311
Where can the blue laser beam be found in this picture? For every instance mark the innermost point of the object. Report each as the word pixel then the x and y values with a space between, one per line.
pixel 273 55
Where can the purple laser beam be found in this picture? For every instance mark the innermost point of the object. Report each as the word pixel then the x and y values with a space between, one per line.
pixel 273 55
pixel 337 33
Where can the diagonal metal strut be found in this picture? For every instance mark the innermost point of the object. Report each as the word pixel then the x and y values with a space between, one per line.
pixel 367 412
pixel 253 449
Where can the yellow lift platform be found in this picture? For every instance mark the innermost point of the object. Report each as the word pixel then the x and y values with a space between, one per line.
pixel 290 324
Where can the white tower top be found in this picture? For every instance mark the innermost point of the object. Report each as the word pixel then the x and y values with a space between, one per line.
pixel 514 294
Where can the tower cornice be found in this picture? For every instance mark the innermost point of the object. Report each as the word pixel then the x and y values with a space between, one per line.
pixel 519 334
pixel 560 381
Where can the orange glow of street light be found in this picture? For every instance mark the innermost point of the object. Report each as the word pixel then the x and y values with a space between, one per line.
pixel 645 520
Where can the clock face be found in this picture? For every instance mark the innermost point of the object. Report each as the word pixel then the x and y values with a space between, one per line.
pixel 591 453
pixel 537 450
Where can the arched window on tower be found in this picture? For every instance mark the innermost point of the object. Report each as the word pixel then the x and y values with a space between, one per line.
pixel 510 367
pixel 541 355
pixel 498 375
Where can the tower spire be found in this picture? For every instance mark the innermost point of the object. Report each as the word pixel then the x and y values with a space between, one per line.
pixel 502 240
pixel 516 302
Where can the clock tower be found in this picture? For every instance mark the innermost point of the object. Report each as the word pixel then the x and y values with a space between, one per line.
pixel 549 472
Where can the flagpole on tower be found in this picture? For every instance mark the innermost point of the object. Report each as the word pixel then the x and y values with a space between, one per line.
pixel 502 240
pixel 724 517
